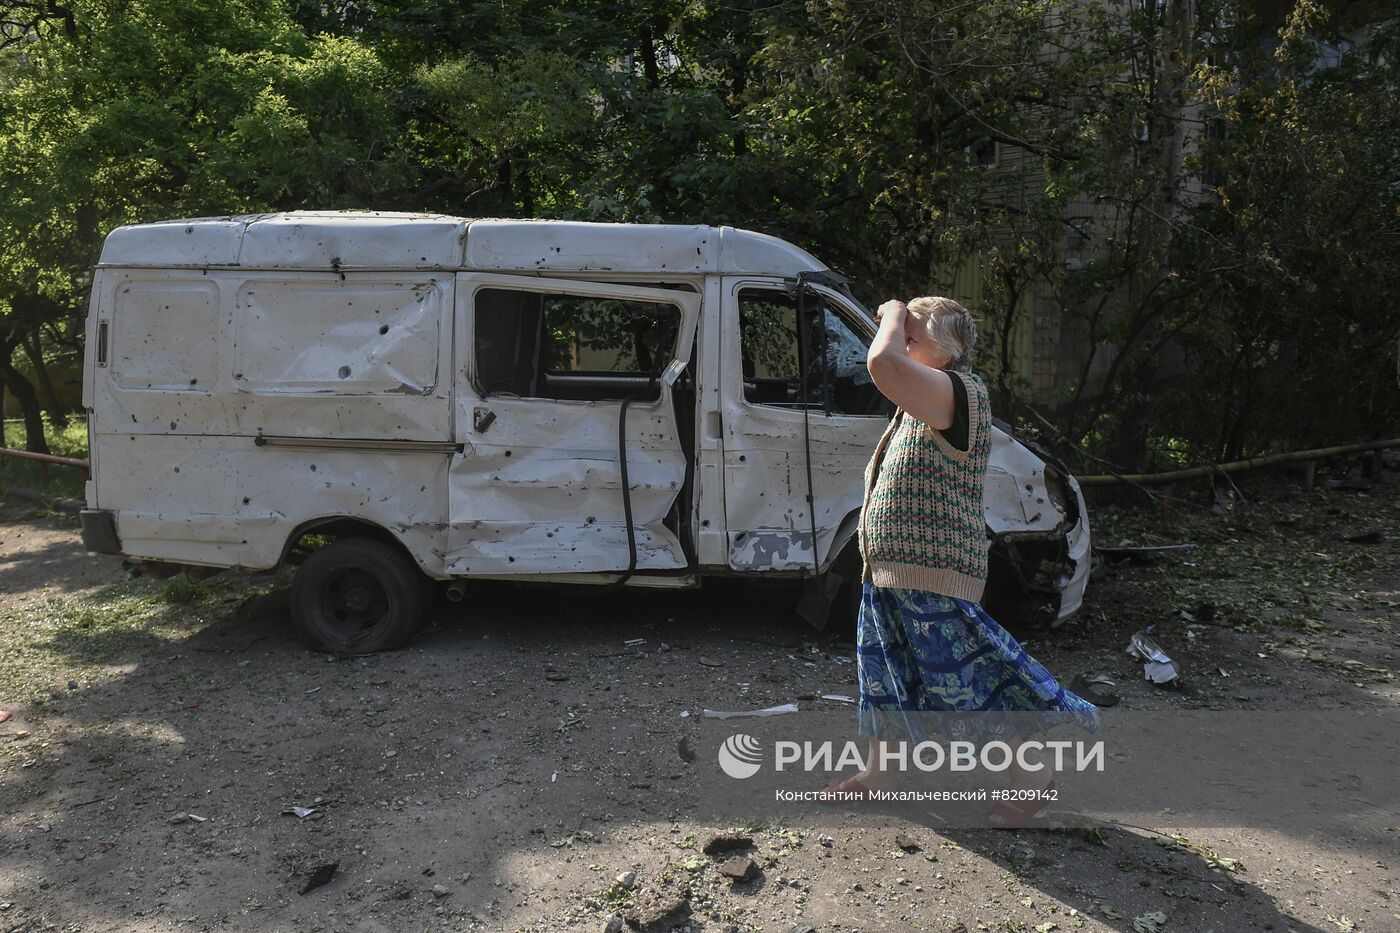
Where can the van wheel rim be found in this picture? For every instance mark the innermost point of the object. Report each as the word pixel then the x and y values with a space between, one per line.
pixel 355 603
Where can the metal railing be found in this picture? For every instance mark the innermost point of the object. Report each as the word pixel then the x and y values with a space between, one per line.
pixel 44 461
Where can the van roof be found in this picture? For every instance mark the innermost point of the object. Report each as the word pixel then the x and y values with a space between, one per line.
pixel 347 240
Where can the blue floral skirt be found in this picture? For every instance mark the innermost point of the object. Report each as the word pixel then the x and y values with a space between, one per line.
pixel 923 652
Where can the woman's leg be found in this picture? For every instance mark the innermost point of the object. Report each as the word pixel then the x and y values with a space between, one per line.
pixel 876 775
pixel 889 678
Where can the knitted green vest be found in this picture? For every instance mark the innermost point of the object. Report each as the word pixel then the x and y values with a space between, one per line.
pixel 922 524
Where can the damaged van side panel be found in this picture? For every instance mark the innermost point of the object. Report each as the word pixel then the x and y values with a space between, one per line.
pixel 201 364
pixel 765 466
pixel 537 485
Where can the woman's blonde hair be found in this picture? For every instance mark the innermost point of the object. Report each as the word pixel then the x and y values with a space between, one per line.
pixel 949 325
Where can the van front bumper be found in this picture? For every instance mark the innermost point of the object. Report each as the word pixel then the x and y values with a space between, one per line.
pixel 99 531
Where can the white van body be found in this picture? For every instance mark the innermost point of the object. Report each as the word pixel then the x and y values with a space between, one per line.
pixel 251 380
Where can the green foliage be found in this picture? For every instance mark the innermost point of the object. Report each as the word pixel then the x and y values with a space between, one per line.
pixel 1216 319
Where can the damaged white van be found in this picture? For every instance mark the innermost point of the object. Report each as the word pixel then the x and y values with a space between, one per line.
pixel 427 399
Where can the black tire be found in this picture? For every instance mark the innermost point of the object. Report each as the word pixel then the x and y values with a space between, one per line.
pixel 358 596
pixel 845 607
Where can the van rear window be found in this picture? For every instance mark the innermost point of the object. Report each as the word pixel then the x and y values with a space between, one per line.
pixel 540 345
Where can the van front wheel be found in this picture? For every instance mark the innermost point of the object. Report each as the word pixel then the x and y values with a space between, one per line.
pixel 358 596
pixel 843 620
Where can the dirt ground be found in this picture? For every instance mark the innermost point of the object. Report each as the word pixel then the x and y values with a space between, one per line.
pixel 505 768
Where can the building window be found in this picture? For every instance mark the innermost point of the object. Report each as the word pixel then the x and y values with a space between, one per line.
pixel 984 154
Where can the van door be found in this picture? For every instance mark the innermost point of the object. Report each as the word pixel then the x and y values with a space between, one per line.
pixel 543 369
pixel 769 425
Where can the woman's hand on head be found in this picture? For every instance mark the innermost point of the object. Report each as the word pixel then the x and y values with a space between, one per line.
pixel 894 307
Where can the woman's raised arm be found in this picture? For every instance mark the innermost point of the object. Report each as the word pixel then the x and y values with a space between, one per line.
pixel 921 389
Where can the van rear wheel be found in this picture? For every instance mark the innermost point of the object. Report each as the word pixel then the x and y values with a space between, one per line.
pixel 358 596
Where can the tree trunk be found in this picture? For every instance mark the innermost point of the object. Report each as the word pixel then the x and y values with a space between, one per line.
pixel 1151 247
pixel 23 390
pixel 35 351
pixel 649 65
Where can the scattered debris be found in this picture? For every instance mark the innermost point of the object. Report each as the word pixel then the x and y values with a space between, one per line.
pixel 634 642
pixel 658 912
pixel 580 835
pixel 1158 666
pixel 825 840
pixel 686 749
pixel 300 813
pixel 319 875
pixel 907 843
pixel 1146 552
pixel 1087 686
pixel 754 713
pixel 1218 862
pixel 739 868
pixel 723 843
pixel 1149 922
pixel 627 879
pixel 440 891
pixel 711 662
pixel 838 697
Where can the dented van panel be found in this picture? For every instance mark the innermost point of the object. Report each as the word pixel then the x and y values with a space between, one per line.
pixel 1015 495
pixel 324 240
pixel 227 353
pixel 474 390
pixel 544 491
pixel 362 335
pixel 765 456
pixel 537 484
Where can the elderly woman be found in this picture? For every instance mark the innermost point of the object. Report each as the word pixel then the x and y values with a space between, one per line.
pixel 924 642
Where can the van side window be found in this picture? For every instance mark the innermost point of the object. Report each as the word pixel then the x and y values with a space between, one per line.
pixel 853 392
pixel 768 338
pixel 536 345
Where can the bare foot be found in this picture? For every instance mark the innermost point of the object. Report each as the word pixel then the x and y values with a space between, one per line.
pixel 878 780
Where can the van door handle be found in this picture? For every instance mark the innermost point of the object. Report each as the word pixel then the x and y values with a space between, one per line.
pixel 482 418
